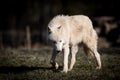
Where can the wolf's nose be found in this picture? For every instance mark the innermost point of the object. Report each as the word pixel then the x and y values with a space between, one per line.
pixel 58 51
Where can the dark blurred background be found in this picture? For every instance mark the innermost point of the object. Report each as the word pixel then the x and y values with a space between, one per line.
pixel 23 23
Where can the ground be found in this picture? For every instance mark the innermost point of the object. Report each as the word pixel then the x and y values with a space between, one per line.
pixel 34 65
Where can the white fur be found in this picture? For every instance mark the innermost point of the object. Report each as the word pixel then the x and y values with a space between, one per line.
pixel 69 31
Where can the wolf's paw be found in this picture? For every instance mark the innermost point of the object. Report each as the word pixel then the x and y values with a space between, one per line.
pixel 56 65
pixel 98 67
pixel 64 71
pixel 69 69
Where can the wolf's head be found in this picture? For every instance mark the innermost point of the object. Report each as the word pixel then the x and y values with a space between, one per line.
pixel 57 33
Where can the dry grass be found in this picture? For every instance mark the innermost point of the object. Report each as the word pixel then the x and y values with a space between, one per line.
pixel 34 65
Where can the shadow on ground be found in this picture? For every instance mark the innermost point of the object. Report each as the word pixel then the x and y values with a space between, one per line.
pixel 21 69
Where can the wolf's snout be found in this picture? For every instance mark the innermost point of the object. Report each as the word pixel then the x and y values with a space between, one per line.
pixel 58 51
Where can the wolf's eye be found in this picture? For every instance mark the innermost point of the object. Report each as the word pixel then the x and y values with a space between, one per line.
pixel 49 32
pixel 60 41
pixel 59 27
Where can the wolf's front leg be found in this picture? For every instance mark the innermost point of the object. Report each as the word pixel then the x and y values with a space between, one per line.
pixel 65 63
pixel 52 61
pixel 74 50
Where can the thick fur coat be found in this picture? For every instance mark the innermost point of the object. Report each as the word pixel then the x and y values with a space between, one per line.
pixel 67 32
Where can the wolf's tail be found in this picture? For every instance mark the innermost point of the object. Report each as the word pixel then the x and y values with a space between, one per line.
pixel 88 52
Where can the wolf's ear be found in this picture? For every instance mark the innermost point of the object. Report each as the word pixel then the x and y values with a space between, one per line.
pixel 59 27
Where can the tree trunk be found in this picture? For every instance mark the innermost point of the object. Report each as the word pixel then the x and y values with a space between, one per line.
pixel 28 36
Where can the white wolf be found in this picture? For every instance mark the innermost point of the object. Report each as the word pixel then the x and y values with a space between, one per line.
pixel 67 32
